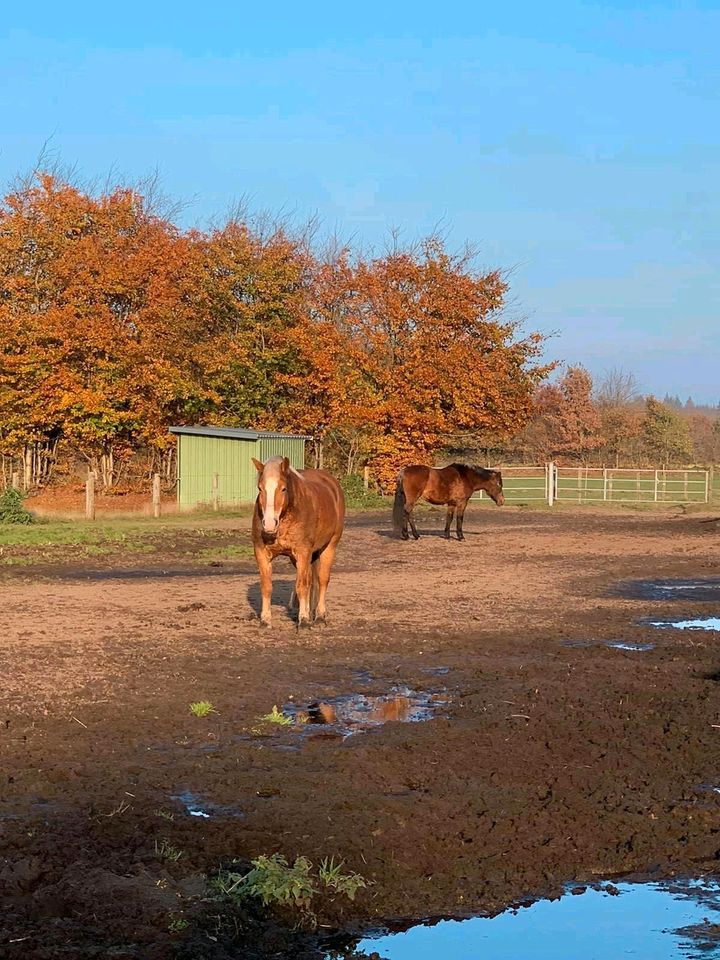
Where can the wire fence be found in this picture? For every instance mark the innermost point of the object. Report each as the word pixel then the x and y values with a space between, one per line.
pixel 550 483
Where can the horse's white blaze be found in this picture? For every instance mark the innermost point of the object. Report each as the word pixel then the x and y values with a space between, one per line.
pixel 270 517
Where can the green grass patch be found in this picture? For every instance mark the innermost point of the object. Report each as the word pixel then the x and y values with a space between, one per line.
pixel 276 716
pixel 233 551
pixel 272 880
pixel 331 875
pixel 276 882
pixel 164 850
pixel 202 708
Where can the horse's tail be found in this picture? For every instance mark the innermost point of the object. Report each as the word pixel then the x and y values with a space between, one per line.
pixel 399 504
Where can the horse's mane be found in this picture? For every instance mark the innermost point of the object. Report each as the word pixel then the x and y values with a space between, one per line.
pixel 465 468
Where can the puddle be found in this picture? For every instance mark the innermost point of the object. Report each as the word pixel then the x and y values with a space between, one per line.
pixel 708 788
pixel 203 810
pixel 636 647
pixel 358 711
pixel 332 719
pixel 613 644
pixel 701 623
pixel 701 590
pixel 362 675
pixel 653 921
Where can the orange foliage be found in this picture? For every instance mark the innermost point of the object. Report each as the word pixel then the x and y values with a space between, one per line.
pixel 115 324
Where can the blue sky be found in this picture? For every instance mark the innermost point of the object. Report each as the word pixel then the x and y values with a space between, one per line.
pixel 576 143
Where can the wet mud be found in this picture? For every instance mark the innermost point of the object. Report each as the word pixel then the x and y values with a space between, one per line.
pixel 541 764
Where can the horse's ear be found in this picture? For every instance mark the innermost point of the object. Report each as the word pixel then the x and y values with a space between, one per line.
pixel 285 465
pixel 258 466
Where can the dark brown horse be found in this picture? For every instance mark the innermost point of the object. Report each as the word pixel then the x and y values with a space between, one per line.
pixel 298 514
pixel 453 485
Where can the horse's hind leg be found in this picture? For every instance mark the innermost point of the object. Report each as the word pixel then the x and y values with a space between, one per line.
pixel 460 514
pixel 449 519
pixel 314 587
pixel 294 602
pixel 409 519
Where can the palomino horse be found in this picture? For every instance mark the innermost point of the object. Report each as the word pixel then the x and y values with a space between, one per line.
pixel 453 485
pixel 298 514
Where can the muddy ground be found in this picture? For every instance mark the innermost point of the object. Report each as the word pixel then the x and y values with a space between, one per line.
pixel 545 763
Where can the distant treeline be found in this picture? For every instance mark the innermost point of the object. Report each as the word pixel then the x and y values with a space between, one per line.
pixel 609 423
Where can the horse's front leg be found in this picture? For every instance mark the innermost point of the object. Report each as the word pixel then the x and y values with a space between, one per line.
pixel 449 519
pixel 303 588
pixel 265 569
pixel 460 515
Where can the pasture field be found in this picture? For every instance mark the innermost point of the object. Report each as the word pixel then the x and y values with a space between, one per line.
pixel 539 756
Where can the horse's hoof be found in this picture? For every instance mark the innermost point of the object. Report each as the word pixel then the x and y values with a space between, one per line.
pixel 416 536
pixel 265 624
pixel 304 625
pixel 460 537
pixel 404 536
pixel 321 620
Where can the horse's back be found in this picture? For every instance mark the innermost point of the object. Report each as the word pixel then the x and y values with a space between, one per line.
pixel 326 495
pixel 437 484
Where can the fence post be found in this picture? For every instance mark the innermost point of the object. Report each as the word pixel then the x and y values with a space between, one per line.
pixel 551 483
pixel 90 496
pixel 655 497
pixel 708 484
pixel 215 487
pixel 366 479
pixel 156 494
pixel 604 483
pixel 27 468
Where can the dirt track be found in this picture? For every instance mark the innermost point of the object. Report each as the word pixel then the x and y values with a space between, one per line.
pixel 548 763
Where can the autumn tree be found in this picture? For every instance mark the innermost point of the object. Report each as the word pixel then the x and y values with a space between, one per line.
pixel 705 437
pixel 621 427
pixel 93 320
pixel 432 354
pixel 566 421
pixel 256 289
pixel 667 436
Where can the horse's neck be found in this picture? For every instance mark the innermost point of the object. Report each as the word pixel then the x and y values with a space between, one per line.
pixel 295 488
pixel 480 479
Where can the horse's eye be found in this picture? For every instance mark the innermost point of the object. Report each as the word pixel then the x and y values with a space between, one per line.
pixel 283 489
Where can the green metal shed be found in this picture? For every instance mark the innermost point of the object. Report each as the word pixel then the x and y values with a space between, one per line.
pixel 223 455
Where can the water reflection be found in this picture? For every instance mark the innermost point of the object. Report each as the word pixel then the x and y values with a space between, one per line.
pixel 700 623
pixel 651 921
pixel 698 589
pixel 355 712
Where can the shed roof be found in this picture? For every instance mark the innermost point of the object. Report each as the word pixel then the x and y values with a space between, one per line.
pixel 234 433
